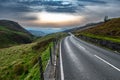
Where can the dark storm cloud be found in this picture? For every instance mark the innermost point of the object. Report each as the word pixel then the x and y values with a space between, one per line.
pixel 52 6
pixel 69 9
pixel 37 5
pixel 93 1
pixel 97 12
pixel 25 17
pixel 15 10
pixel 10 6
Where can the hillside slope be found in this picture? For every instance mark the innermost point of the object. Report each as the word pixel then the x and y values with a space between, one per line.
pixel 11 33
pixel 21 62
pixel 109 30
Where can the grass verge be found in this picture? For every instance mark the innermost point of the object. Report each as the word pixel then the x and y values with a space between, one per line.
pixel 116 40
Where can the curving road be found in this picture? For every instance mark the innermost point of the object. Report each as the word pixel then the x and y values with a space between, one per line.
pixel 80 60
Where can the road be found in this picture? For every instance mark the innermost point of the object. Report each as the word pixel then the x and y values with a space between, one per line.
pixel 80 60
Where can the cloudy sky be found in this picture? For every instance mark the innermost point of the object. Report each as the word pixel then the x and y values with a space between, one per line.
pixel 58 13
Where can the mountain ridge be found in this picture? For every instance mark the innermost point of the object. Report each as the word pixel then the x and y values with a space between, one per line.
pixel 11 33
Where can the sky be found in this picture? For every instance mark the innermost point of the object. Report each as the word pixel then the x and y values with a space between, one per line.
pixel 58 13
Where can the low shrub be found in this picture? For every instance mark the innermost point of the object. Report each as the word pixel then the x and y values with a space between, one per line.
pixel 18 69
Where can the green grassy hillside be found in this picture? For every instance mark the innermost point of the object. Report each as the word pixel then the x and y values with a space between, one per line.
pixel 21 62
pixel 14 26
pixel 109 30
pixel 11 33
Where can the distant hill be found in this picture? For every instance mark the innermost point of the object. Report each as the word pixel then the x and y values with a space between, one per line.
pixel 37 33
pixel 109 30
pixel 11 33
pixel 89 25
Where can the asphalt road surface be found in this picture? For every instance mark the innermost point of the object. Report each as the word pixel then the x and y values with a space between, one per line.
pixel 80 60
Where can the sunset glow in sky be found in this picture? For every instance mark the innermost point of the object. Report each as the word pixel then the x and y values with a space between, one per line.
pixel 57 19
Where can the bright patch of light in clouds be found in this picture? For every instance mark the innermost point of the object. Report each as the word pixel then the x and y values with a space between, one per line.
pixel 57 19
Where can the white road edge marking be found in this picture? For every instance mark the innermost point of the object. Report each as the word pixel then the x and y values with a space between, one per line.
pixel 78 44
pixel 61 64
pixel 107 63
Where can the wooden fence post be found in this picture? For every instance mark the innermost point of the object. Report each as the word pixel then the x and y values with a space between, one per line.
pixel 51 55
pixel 41 69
